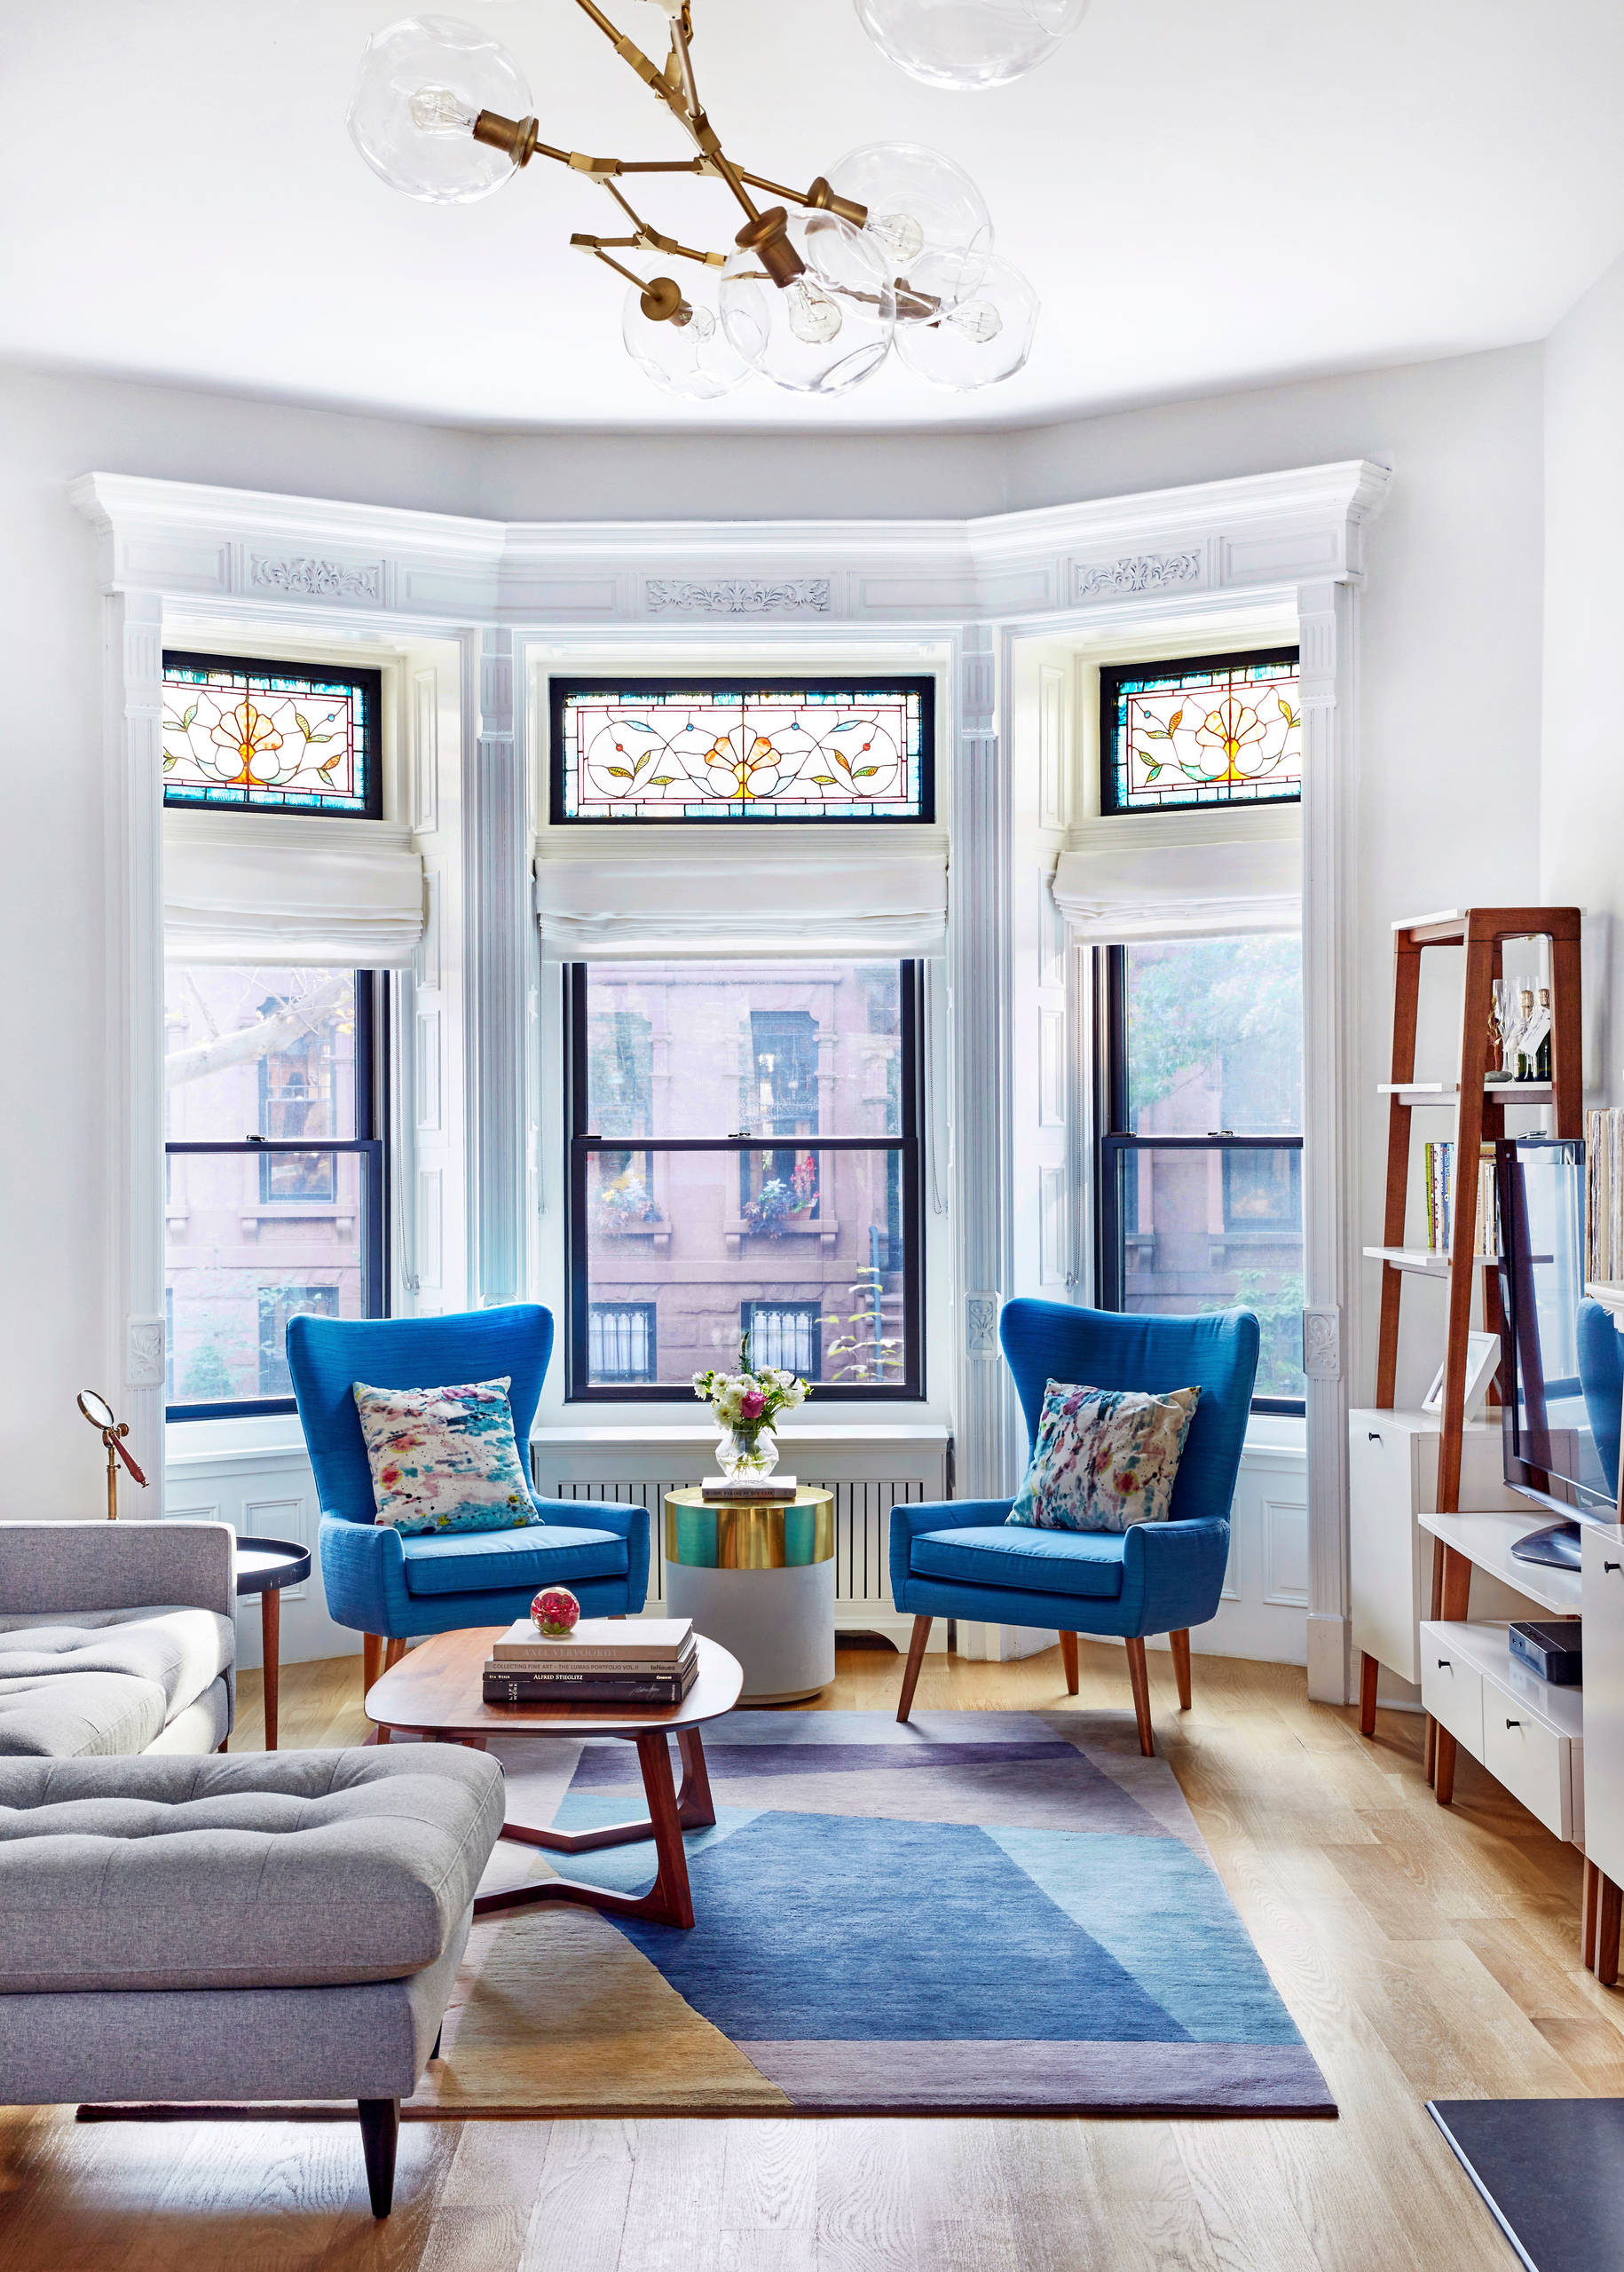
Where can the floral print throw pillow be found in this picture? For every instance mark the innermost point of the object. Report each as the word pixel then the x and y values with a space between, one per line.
pixel 445 1459
pixel 1104 1459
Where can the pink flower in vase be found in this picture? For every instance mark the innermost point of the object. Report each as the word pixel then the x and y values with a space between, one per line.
pixel 752 1404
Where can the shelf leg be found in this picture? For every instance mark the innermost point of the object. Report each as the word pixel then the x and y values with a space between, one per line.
pixel 1609 1916
pixel 1444 1787
pixel 1587 1915
pixel 1369 1671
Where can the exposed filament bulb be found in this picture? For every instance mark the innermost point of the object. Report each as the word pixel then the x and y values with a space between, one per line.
pixel 977 319
pixel 437 110
pixel 813 315
pixel 901 235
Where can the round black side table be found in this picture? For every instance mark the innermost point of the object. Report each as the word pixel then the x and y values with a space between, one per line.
pixel 264 1565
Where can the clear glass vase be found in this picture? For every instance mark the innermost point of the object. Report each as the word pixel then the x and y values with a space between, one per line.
pixel 746 1454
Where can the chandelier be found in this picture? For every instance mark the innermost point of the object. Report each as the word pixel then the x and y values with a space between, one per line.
pixel 893 248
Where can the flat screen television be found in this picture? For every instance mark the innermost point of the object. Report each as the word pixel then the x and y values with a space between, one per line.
pixel 1561 1359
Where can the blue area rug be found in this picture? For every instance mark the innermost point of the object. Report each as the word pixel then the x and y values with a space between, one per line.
pixel 985 1910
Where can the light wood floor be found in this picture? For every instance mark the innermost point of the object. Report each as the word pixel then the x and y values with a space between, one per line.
pixel 1423 1953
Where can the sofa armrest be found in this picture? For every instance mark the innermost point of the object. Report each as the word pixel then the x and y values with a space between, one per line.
pixel 911 1522
pixel 46 1567
pixel 617 1515
pixel 1173 1574
pixel 362 1574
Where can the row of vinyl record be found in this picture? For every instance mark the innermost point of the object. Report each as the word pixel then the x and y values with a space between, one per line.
pixel 1604 1194
pixel 1437 1173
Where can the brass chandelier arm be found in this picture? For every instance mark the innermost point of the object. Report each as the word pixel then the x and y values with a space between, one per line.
pixel 650 239
pixel 820 198
pixel 684 106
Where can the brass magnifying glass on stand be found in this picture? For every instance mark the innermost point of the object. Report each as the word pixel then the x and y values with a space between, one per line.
pixel 98 1412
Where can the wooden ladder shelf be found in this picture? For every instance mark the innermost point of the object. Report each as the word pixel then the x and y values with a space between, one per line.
pixel 1479 1115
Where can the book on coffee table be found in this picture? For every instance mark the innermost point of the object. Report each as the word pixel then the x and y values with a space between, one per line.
pixel 611 1643
pixel 767 1491
pixel 509 1683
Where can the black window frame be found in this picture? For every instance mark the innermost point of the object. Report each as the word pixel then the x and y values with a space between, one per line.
pixel 369 684
pixel 1114 1144
pixel 1111 678
pixel 730 816
pixel 580 1144
pixel 370 1143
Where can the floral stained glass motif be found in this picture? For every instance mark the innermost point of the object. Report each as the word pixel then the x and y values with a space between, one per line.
pixel 1223 729
pixel 768 750
pixel 270 736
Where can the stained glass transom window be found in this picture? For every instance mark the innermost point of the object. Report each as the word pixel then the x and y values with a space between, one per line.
pixel 777 749
pixel 270 736
pixel 1212 730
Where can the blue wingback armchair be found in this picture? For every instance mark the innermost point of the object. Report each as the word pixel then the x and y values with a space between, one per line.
pixel 962 1559
pixel 392 1588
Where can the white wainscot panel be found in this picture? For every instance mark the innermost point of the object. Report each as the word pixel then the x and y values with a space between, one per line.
pixel 1264 1610
pixel 263 1491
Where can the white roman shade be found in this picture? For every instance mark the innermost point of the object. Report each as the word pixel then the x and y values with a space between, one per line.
pixel 286 889
pixel 1182 874
pixel 757 890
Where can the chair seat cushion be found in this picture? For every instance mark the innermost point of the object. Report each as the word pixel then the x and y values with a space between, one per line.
pixel 490 1561
pixel 1086 1563
pixel 301 1869
pixel 96 1681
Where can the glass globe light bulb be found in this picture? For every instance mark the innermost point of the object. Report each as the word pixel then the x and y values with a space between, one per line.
pixel 968 43
pixel 786 334
pixel 926 219
pixel 813 316
pixel 901 235
pixel 689 354
pixel 422 83
pixel 976 337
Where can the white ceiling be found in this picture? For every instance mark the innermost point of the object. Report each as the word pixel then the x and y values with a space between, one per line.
pixel 1208 194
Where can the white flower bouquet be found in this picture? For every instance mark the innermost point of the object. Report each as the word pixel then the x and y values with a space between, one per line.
pixel 747 1404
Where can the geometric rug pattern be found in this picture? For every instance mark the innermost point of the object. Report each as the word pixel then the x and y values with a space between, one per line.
pixel 989 1912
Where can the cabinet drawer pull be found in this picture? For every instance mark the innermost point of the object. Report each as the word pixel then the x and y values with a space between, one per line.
pixel 1609 1566
pixel 1371 1437
pixel 1444 1665
pixel 1514 1723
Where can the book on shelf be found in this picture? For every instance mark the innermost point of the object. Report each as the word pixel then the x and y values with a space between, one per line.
pixel 767 1490
pixel 610 1641
pixel 1604 1194
pixel 1438 1178
pixel 511 1684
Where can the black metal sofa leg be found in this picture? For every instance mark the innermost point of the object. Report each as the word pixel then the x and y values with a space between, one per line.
pixel 379 2134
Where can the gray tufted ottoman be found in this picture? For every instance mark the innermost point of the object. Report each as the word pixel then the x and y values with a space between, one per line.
pixel 256 1928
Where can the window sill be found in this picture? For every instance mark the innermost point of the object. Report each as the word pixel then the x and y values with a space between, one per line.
pixel 684 1433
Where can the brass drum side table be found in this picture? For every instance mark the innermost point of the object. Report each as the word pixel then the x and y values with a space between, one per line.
pixel 759 1580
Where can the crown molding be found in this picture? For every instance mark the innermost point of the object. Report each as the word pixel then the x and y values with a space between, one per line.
pixel 340 564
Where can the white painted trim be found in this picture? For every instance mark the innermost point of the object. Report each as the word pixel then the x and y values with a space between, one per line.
pixel 962 589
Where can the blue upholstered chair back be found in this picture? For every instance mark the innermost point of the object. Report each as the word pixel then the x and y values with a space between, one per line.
pixel 1601 1377
pixel 1216 1353
pixel 328 1355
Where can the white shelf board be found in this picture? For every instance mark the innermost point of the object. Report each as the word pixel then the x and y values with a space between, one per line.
pixel 1425 922
pixel 1487 1649
pixel 1448 1092
pixel 1487 1539
pixel 1421 1259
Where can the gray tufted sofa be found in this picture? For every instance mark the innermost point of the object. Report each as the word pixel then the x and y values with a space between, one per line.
pixel 115 1637
pixel 258 1928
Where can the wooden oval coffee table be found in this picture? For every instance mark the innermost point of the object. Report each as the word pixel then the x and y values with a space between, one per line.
pixel 436 1691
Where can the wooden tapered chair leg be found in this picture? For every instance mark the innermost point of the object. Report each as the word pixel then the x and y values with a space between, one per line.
pixel 371 1659
pixel 394 1650
pixel 1068 1660
pixel 379 2135
pixel 915 1658
pixel 1179 1644
pixel 1139 1673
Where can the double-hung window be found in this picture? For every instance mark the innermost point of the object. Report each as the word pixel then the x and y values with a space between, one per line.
pixel 744 1142
pixel 274 1173
pixel 1200 1151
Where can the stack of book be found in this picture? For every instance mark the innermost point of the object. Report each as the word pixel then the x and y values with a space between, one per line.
pixel 1437 1173
pixel 652 1661
pixel 754 1491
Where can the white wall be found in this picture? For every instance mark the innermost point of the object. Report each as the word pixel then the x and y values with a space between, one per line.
pixel 1582 788
pixel 1451 670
